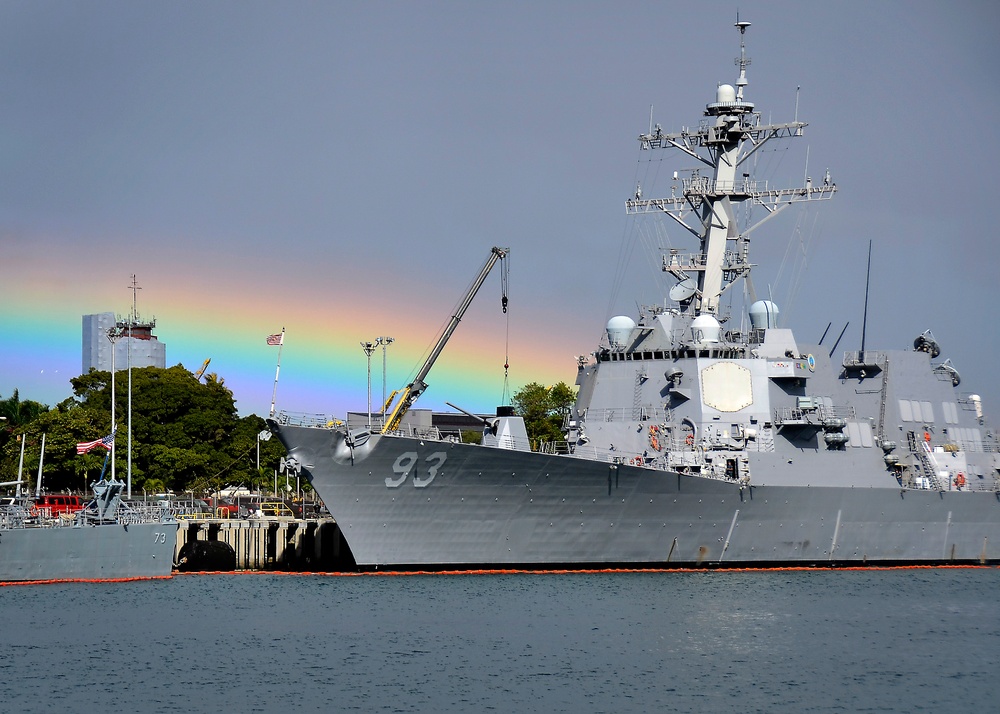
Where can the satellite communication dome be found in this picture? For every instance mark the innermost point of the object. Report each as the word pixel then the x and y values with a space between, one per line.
pixel 684 290
pixel 763 315
pixel 619 328
pixel 705 329
pixel 725 93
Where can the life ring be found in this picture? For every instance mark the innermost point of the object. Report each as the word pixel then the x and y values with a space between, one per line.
pixel 636 461
pixel 960 480
pixel 689 440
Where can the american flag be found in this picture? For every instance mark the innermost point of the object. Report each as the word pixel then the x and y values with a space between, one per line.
pixel 275 340
pixel 106 442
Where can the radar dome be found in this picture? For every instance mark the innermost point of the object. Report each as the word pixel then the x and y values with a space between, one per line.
pixel 619 328
pixel 763 315
pixel 725 93
pixel 705 329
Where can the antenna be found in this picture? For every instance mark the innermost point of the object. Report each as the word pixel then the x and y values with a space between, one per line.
pixel 742 61
pixel 828 325
pixel 868 277
pixel 834 348
pixel 134 287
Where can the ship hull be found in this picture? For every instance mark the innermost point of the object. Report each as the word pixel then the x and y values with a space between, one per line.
pixel 404 502
pixel 105 552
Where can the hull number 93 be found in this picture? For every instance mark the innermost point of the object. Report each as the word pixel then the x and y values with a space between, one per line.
pixel 423 473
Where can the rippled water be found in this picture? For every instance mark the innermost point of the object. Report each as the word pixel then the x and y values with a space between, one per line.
pixel 823 641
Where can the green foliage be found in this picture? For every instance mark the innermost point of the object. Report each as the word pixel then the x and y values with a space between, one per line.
pixel 17 412
pixel 15 415
pixel 544 410
pixel 471 436
pixel 186 434
pixel 62 430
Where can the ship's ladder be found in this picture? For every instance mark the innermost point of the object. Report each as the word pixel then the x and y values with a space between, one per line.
pixel 924 451
pixel 640 377
pixel 883 397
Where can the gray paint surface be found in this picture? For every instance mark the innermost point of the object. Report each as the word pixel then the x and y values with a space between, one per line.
pixel 104 552
pixel 489 507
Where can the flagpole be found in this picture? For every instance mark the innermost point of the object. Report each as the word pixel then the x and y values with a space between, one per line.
pixel 277 369
pixel 20 466
pixel 41 458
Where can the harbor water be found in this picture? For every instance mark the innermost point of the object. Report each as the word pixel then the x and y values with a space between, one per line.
pixel 904 640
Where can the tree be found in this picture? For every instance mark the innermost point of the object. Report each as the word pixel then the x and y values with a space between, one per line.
pixel 544 410
pixel 241 467
pixel 17 414
pixel 179 425
pixel 62 429
pixel 186 435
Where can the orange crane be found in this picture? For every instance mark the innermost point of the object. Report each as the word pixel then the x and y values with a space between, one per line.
pixel 414 388
pixel 204 366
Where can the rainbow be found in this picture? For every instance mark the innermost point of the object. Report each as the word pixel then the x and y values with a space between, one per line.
pixel 226 316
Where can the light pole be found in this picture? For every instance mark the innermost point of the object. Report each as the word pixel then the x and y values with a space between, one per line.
pixel 113 334
pixel 369 347
pixel 385 342
pixel 262 436
pixel 134 318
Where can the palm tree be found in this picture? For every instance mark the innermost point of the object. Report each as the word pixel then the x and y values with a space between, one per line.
pixel 15 414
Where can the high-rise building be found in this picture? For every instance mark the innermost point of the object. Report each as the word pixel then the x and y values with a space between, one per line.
pixel 136 343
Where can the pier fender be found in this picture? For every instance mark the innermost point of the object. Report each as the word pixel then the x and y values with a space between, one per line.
pixel 206 555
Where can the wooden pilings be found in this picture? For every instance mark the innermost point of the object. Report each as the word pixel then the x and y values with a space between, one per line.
pixel 274 544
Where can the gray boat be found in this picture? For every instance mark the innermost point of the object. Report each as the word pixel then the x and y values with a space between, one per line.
pixel 699 438
pixel 107 540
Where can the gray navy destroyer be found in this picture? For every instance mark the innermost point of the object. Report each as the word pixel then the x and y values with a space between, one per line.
pixel 692 443
pixel 107 540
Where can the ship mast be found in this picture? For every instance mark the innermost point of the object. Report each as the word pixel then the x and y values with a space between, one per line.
pixel 707 206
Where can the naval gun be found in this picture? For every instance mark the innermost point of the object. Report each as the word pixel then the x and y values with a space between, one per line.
pixel 417 386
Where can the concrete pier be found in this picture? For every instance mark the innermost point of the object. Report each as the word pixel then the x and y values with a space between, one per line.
pixel 313 545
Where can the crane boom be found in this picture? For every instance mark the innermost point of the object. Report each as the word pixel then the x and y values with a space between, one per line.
pixel 204 366
pixel 417 386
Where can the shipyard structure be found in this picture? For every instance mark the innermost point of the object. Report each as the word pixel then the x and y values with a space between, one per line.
pixel 134 343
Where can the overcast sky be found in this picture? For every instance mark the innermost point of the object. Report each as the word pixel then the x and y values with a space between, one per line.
pixel 342 169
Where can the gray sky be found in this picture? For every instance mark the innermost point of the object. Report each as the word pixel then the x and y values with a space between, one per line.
pixel 350 164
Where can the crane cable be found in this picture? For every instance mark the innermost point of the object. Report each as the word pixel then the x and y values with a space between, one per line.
pixel 504 274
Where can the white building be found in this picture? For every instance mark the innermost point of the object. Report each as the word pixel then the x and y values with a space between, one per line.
pixel 137 338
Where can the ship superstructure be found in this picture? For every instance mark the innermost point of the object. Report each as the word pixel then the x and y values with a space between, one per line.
pixel 693 442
